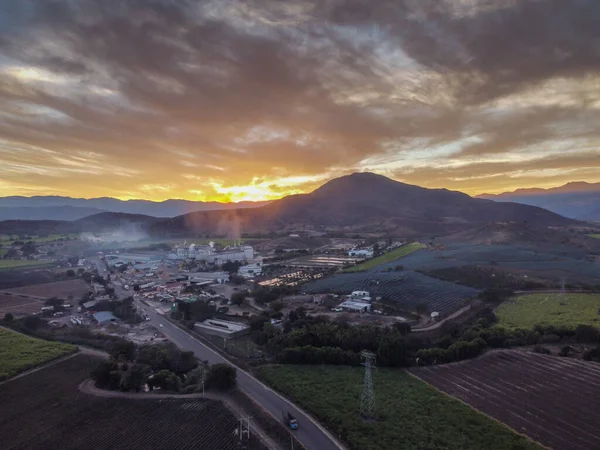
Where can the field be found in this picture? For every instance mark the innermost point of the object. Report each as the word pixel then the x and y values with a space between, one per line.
pixel 45 410
pixel 19 306
pixel 551 399
pixel 12 264
pixel 528 310
pixel 19 352
pixel 63 289
pixel 7 239
pixel 567 262
pixel 388 257
pixel 412 414
pixel 407 289
pixel 320 261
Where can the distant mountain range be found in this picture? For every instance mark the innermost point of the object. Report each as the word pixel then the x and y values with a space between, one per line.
pixel 67 208
pixel 577 200
pixel 359 202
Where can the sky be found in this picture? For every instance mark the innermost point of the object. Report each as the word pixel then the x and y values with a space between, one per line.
pixel 235 100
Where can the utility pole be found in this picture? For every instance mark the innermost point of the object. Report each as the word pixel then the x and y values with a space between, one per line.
pixel 367 399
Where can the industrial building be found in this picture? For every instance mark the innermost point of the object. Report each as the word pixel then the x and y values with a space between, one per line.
pixel 251 270
pixel 209 254
pixel 355 306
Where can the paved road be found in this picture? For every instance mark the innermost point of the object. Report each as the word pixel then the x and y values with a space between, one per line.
pixel 310 434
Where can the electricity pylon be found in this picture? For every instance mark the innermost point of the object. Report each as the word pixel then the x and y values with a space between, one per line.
pixel 367 399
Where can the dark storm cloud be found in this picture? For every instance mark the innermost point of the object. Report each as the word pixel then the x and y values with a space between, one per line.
pixel 323 84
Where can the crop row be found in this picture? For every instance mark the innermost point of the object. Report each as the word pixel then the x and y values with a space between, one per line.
pixel 550 398
pixel 46 410
pixel 408 289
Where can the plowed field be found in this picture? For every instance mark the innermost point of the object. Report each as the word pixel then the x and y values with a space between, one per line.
pixel 551 399
pixel 45 410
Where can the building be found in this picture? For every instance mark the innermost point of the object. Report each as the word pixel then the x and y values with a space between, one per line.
pixel 222 328
pixel 209 254
pixel 104 317
pixel 355 306
pixel 207 278
pixel 250 270
pixel 137 258
pixel 361 253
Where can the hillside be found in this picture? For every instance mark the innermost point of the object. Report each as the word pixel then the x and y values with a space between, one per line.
pixel 68 208
pixel 578 200
pixel 363 202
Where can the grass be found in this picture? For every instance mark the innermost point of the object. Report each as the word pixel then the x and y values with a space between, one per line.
pixel 596 236
pixel 9 264
pixel 528 310
pixel 397 253
pixel 19 352
pixel 412 415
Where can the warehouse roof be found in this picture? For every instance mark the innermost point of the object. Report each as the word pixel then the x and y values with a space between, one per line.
pixel 104 317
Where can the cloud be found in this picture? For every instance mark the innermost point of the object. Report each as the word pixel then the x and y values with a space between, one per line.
pixel 232 99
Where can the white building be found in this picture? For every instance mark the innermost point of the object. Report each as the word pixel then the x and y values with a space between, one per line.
pixel 355 306
pixel 209 254
pixel 361 253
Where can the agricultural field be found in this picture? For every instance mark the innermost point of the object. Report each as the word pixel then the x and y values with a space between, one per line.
pixel 388 257
pixel 411 414
pixel 9 239
pixel 595 236
pixel 407 289
pixel 14 264
pixel 525 311
pixel 19 352
pixel 45 410
pixel 19 306
pixel 63 289
pixel 551 399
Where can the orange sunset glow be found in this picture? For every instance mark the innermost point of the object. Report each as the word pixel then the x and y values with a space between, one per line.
pixel 256 100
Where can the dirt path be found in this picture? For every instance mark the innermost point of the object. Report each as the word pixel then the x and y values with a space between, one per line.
pixel 436 325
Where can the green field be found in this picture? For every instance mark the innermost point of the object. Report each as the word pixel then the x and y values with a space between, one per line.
pixel 528 310
pixel 10 264
pixel 19 352
pixel 597 236
pixel 412 415
pixel 397 253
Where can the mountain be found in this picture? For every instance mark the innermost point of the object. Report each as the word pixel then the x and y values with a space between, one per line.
pixel 362 202
pixel 45 207
pixel 359 202
pixel 65 212
pixel 577 200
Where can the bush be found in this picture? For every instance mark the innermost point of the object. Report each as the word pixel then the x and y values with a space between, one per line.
pixel 541 350
pixel 122 351
pixel 8 317
pixel 165 380
pixel 592 354
pixel 565 351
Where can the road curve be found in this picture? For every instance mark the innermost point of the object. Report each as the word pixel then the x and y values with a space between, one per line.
pixel 311 434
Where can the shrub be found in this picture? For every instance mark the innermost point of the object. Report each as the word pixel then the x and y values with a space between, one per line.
pixel 565 351
pixel 542 350
pixel 221 377
pixel 8 317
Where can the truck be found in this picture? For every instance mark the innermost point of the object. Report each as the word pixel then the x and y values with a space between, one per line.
pixel 290 421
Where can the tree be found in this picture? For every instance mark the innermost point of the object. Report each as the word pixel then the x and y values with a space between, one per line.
pixel 164 379
pixel 54 301
pixel 221 377
pixel 237 298
pixel 33 322
pixel 70 273
pixel 237 279
pixel 231 266
pixel 107 375
pixel 28 249
pixel 587 333
pixel 8 317
pixel 122 351
pixel 402 327
pixel 277 306
pixel 135 378
pixel 136 288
